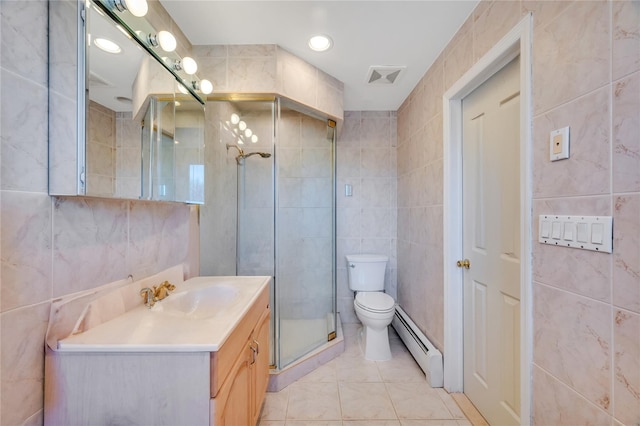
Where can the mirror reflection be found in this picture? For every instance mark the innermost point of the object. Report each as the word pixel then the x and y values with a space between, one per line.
pixel 139 143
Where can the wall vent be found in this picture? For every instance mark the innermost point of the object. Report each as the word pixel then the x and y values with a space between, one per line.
pixel 385 74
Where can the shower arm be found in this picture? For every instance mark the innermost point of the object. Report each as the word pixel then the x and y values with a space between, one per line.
pixel 242 155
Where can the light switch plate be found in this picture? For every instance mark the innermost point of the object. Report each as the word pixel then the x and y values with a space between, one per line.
pixel 581 232
pixel 559 144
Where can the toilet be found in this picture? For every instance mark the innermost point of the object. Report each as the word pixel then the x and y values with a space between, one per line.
pixel 374 308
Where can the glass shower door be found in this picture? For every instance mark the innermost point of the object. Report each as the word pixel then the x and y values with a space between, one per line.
pixel 305 230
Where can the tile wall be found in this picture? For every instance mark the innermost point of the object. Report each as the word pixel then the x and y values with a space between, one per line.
pixel 586 305
pixel 55 246
pixel 101 150
pixel 268 68
pixel 366 221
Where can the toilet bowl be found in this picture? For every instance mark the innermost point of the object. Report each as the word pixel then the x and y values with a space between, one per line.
pixel 374 308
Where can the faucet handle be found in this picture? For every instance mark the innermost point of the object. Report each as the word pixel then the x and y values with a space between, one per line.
pixel 148 296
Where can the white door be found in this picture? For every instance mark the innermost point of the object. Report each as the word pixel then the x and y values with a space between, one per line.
pixel 491 243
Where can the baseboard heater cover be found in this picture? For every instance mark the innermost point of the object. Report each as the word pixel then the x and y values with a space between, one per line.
pixel 426 355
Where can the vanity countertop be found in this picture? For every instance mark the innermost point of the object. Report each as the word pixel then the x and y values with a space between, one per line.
pixel 175 324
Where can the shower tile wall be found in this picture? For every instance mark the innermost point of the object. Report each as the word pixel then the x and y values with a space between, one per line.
pixel 304 235
pixel 55 246
pixel 586 306
pixel 188 154
pixel 218 217
pixel 366 221
pixel 255 202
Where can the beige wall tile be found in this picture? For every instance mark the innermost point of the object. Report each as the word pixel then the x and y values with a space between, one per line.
pixel 24 39
pixel 573 341
pixel 252 74
pixel 626 364
pixel 26 248
pixel 587 171
pixel 458 59
pixel 575 45
pixel 23 110
pixel 492 20
pixel 89 243
pixel 22 369
pixel 544 12
pixel 555 403
pixel 579 271
pixel 626 128
pixel 626 254
pixel 626 38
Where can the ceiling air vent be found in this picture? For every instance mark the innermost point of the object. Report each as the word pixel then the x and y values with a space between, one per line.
pixel 384 74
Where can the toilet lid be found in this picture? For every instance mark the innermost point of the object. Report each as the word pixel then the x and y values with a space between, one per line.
pixel 375 301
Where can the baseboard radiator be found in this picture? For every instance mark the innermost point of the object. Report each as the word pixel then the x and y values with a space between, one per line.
pixel 426 355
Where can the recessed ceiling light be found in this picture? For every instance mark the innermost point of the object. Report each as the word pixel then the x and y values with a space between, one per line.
pixel 107 45
pixel 320 43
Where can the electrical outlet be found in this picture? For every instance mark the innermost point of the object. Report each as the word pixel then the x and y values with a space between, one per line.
pixel 559 144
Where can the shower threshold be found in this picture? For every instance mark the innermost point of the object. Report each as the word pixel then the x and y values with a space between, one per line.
pixel 279 379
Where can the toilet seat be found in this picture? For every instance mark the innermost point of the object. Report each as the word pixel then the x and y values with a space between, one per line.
pixel 375 301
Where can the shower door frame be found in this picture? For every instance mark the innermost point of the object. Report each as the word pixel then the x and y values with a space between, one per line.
pixel 301 109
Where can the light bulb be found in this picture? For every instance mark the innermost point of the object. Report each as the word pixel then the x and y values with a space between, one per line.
pixel 235 118
pixel 206 87
pixel 319 43
pixel 189 65
pixel 137 8
pixel 107 45
pixel 254 139
pixel 182 89
pixel 167 41
pixel 248 133
pixel 242 125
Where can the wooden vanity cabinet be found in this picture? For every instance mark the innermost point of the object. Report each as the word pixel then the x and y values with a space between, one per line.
pixel 240 370
pixel 225 387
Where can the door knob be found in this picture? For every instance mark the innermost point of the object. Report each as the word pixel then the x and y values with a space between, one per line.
pixel 463 263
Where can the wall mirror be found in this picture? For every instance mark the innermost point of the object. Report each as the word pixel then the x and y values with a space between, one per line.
pixel 139 127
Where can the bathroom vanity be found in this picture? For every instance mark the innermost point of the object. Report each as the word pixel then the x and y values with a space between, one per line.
pixel 199 357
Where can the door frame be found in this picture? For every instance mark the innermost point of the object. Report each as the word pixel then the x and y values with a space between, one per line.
pixel 515 42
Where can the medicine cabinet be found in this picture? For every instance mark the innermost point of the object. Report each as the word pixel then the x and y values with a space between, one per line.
pixel 123 123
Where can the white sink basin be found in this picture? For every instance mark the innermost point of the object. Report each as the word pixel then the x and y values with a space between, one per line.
pixel 198 303
pixel 198 316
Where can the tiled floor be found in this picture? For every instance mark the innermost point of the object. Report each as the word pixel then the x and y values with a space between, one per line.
pixel 350 390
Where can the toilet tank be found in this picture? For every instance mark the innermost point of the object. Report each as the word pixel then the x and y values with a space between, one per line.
pixel 366 271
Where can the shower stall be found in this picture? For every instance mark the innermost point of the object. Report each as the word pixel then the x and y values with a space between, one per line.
pixel 270 210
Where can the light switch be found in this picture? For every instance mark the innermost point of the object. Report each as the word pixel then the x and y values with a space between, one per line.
pixel 348 190
pixel 545 228
pixel 559 144
pixel 597 233
pixel 568 231
pixel 582 232
pixel 576 231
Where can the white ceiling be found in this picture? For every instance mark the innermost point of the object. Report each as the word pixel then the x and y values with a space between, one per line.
pixel 364 33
